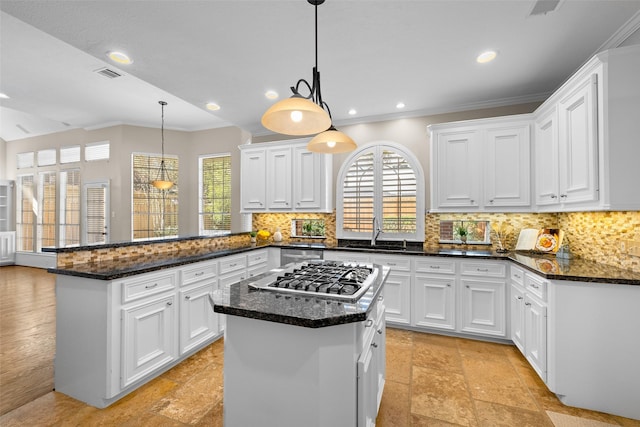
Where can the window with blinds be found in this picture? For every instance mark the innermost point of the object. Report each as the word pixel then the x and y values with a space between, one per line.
pixel 25 193
pixel 69 223
pixel 96 151
pixel 47 157
pixel 154 212
pixel 25 160
pixel 215 194
pixel 384 182
pixel 70 154
pixel 47 210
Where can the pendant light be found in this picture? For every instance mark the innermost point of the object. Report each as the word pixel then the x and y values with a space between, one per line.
pixel 163 182
pixel 300 115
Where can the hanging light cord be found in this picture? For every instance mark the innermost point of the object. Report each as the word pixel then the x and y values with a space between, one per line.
pixel 162 166
pixel 314 89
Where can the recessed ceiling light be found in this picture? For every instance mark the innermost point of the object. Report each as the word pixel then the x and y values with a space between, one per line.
pixel 352 112
pixel 487 56
pixel 400 105
pixel 120 57
pixel 271 94
pixel 212 106
pixel 4 95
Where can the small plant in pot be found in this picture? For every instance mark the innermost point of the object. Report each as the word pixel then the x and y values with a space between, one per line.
pixel 462 232
pixel 253 235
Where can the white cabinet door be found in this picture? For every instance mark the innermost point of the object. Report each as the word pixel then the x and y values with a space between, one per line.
pixel 7 247
pixel 535 324
pixel 483 307
pixel 507 166
pixel 397 296
pixel 198 322
pixel 458 161
pixel 434 302
pixel 279 178
pixel 517 317
pixel 254 179
pixel 149 337
pixel 546 158
pixel 308 174
pixel 578 142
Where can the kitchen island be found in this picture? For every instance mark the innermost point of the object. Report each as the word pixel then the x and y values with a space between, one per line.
pixel 292 360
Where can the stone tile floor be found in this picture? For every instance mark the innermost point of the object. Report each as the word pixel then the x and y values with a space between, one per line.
pixel 432 380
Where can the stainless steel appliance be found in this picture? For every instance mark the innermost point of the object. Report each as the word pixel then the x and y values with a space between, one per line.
pixel 299 254
pixel 333 279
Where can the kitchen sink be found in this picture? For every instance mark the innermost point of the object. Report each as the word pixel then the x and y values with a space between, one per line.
pixel 377 247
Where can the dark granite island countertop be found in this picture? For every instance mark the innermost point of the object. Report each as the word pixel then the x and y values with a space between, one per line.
pixel 293 309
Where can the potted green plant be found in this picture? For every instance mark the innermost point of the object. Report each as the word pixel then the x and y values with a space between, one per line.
pixel 462 231
pixel 253 235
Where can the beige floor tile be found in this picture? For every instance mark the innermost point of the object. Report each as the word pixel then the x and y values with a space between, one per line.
pixel 213 418
pixel 400 336
pixel 394 408
pixel 190 402
pixel 51 409
pixel 495 415
pixel 442 395
pixel 482 350
pixel 441 340
pixel 430 355
pixel 493 380
pixel 398 366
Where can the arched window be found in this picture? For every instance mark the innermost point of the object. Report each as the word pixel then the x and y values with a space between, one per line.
pixel 382 182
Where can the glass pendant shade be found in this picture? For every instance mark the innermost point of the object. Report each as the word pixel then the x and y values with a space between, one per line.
pixel 296 116
pixel 162 185
pixel 331 141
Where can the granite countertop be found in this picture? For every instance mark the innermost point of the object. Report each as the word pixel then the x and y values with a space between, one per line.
pixel 547 266
pixel 294 309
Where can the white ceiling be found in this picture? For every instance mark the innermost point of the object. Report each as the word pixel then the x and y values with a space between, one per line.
pixel 372 54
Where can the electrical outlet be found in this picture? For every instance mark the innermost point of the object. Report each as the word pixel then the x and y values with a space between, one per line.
pixel 623 246
pixel 633 247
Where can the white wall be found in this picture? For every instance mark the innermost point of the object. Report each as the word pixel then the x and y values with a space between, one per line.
pixel 3 159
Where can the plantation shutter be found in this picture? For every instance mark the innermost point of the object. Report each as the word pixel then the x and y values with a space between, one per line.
pixel 358 194
pixel 399 188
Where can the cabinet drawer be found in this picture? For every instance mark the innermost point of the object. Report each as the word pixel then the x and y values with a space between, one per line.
pixel 233 263
pixel 143 286
pixel 517 275
pixel 536 286
pixel 435 265
pixel 489 269
pixel 257 257
pixel 396 263
pixel 198 271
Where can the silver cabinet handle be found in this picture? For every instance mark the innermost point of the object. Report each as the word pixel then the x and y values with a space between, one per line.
pixel 199 274
pixel 435 267
pixel 151 286
pixel 534 286
pixel 519 297
pixel 563 196
pixel 515 275
pixel 472 201
pixel 374 344
pixel 169 303
pixel 379 331
pixel 468 287
pixel 369 323
pixel 187 297
pixel 449 285
pixel 484 270
pixel 391 263
pixel 553 196
pixel 527 303
pixel 233 265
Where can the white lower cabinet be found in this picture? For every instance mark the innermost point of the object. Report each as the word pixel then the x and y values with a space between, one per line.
pixel 371 368
pixel 529 318
pixel 149 337
pixel 483 307
pixel 198 322
pixel 397 288
pixel 434 302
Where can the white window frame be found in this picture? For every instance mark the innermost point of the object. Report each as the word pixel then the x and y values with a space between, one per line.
pixel 377 148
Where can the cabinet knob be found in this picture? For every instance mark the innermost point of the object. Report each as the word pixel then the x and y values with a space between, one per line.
pixel 187 297
pixel 519 297
pixel 468 287
pixel 169 303
pixel 374 344
pixel 563 196
pixel 380 298
pixel 369 323
pixel 527 303
pixel 472 201
pixel 553 196
pixel 379 331
pixel 491 201
pixel 449 285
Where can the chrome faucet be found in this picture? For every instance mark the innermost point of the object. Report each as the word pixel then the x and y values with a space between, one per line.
pixel 376 231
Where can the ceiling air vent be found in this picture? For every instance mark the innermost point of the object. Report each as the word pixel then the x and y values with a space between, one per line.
pixel 542 7
pixel 108 73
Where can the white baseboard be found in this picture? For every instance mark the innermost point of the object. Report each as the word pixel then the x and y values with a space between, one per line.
pixel 39 260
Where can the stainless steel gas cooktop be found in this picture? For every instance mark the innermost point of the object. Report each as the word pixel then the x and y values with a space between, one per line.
pixel 331 279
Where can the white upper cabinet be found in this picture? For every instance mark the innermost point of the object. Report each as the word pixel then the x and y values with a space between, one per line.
pixel 254 184
pixel 584 147
pixel 481 165
pixel 585 144
pixel 285 177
